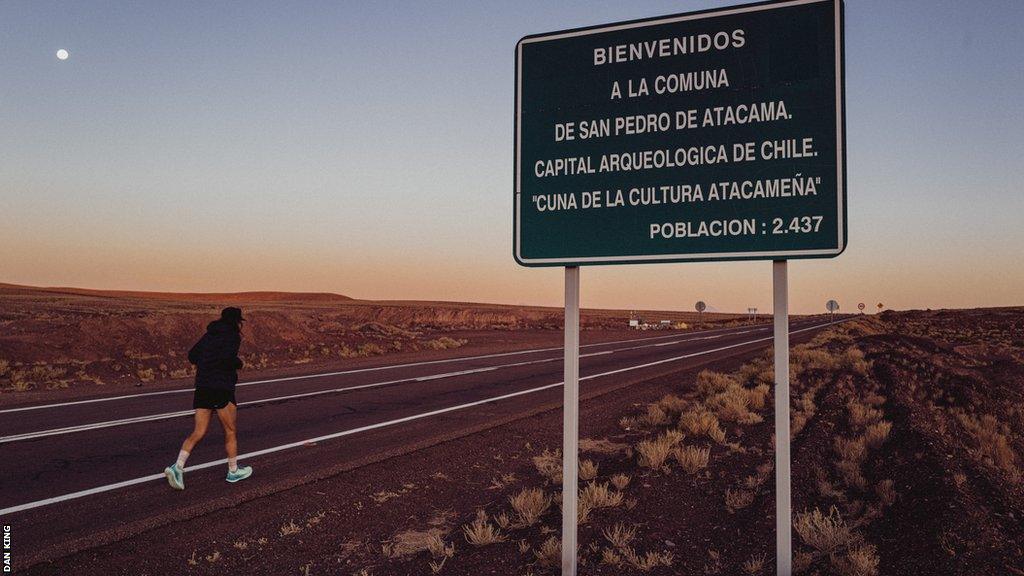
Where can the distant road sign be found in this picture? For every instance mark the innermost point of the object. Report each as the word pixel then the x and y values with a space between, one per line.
pixel 832 306
pixel 701 306
pixel 715 135
pixel 861 306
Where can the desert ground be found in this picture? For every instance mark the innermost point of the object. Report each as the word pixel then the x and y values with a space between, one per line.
pixel 907 442
pixel 68 342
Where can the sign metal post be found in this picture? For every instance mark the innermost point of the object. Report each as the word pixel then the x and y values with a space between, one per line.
pixel 570 419
pixel 708 136
pixel 783 495
pixel 832 306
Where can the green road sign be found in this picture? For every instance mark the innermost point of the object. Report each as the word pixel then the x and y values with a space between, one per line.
pixel 715 135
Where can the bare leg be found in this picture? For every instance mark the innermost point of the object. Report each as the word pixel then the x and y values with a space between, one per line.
pixel 227 421
pixel 202 423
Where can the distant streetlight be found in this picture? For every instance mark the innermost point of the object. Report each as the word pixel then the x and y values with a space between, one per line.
pixel 63 54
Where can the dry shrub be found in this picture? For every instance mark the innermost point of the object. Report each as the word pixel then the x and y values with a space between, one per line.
pixel 760 476
pixel 619 535
pixel 290 528
pixel 691 458
pixel 596 495
pixel 445 343
pixel 587 470
pixel 710 383
pixel 874 399
pixel 654 453
pixel 648 561
pixel 628 423
pixel 802 561
pixel 370 349
pixel 655 416
pixel 549 464
pixel 993 445
pixel 550 553
pixel 700 422
pixel 439 549
pixel 825 533
pixel 877 433
pixel 733 405
pixel 481 532
pixel 673 436
pixel 862 415
pixel 583 509
pixel 851 455
pixel 852 361
pixel 760 371
pixel 717 435
pixel 851 450
pixel 529 505
pixel 859 561
pixel 500 483
pixel 610 557
pixel 852 474
pixel 803 411
pixel 755 564
pixel 672 406
pixel 738 499
pixel 620 481
pixel 828 490
pixel 886 492
pixel 412 542
pixel 602 446
pixel 757 396
pixel 803 358
pixel 23 379
pixel 503 521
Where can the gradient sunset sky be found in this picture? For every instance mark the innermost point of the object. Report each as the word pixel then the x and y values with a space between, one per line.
pixel 365 148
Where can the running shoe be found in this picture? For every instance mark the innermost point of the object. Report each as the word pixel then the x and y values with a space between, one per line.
pixel 241 473
pixel 175 476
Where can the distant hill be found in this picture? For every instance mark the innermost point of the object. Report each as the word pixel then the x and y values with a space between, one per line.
pixel 216 297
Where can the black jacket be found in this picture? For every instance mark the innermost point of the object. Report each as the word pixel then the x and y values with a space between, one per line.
pixel 216 356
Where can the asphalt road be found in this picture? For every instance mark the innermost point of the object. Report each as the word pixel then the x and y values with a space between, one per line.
pixel 83 473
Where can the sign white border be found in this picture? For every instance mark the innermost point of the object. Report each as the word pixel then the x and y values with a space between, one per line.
pixel 641 258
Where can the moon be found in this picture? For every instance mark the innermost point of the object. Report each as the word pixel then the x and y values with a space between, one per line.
pixel 62 54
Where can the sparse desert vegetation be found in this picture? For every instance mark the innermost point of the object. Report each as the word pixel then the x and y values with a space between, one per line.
pixel 56 338
pixel 712 438
pixel 907 443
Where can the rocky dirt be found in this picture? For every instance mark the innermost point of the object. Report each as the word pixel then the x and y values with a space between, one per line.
pixel 74 341
pixel 907 442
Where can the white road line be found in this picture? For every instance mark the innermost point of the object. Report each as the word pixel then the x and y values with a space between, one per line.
pixel 343 372
pixel 282 447
pixel 182 413
pixel 167 415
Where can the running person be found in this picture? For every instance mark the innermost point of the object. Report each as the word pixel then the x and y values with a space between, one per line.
pixel 217 363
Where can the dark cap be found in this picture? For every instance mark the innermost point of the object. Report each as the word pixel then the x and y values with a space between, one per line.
pixel 232 314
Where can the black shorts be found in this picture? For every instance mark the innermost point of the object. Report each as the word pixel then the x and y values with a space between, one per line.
pixel 212 398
